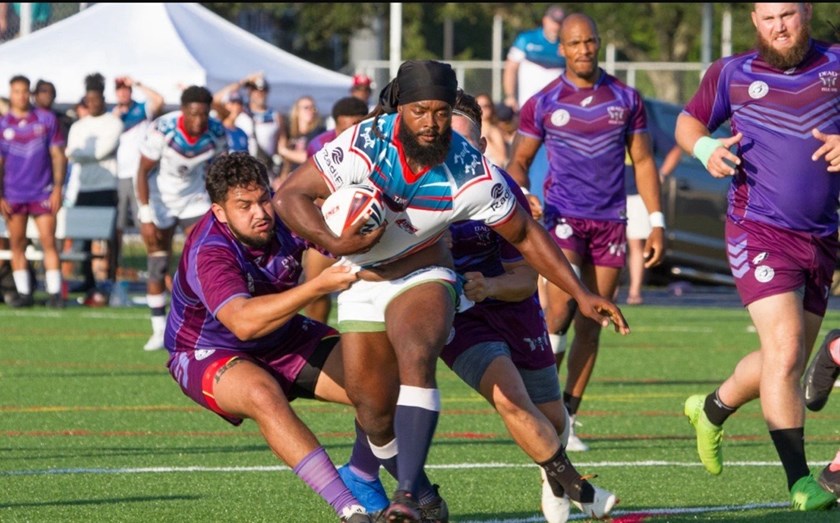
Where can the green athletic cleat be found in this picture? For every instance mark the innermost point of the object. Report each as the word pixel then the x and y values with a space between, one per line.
pixel 709 436
pixel 807 494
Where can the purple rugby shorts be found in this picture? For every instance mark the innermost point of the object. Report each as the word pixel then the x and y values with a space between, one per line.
pixel 766 260
pixel 598 242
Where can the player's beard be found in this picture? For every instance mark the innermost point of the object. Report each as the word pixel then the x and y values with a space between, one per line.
pixel 784 60
pixel 254 242
pixel 427 155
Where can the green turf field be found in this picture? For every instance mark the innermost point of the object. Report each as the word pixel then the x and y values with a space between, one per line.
pixel 94 429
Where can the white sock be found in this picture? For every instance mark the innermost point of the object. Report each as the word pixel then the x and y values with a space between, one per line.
pixel 53 281
pixel 22 281
pixel 155 301
pixel 558 343
pixel 158 324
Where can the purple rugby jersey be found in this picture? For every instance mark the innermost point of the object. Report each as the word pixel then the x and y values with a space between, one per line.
pixel 585 131
pixel 215 268
pixel 477 248
pixel 25 147
pixel 777 182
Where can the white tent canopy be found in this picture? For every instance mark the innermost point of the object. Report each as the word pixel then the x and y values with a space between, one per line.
pixel 166 46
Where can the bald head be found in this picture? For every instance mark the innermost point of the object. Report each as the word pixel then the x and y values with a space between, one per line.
pixel 579 45
pixel 576 21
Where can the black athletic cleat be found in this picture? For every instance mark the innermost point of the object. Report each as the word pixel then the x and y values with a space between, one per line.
pixel 55 301
pixel 830 476
pixel 821 374
pixel 403 509
pixel 21 301
pixel 435 511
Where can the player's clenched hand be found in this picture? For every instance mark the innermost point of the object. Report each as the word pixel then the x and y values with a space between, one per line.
pixel 336 278
pixel 352 241
pixel 536 207
pixel 477 287
pixel 603 311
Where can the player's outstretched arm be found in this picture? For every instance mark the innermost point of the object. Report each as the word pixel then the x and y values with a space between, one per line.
pixel 253 317
pixel 536 245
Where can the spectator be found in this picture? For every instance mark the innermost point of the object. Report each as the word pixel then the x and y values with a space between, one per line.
pixel 32 170
pixel 533 61
pixel 92 149
pixel 239 127
pixel 497 146
pixel 269 124
pixel 136 117
pixel 305 123
pixel 361 88
pixel 43 96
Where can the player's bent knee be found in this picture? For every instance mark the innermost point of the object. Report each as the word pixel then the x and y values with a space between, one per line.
pixel 157 264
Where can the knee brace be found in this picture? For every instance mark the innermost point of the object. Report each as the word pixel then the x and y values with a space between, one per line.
pixel 158 264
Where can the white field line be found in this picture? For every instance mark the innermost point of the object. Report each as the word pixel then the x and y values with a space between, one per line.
pixel 142 314
pixel 450 466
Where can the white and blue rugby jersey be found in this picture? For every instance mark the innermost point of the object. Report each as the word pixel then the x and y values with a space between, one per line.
pixel 418 206
pixel 182 160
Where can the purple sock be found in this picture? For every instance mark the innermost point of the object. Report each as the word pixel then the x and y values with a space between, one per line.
pixel 362 461
pixel 318 471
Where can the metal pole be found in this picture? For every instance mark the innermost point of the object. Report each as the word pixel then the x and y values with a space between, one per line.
pixel 609 64
pixel 25 19
pixel 497 57
pixel 395 56
pixel 726 32
pixel 706 33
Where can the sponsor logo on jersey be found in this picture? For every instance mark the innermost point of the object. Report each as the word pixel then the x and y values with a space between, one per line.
pixel 201 354
pixel 9 134
pixel 560 117
pixel 563 230
pixel 759 258
pixel 586 101
pixel 405 225
pixel 758 90
pixel 763 273
pixel 617 114
pixel 828 79
pixel 500 194
pixel 337 155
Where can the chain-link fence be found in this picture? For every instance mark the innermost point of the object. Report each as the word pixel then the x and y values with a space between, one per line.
pixel 20 19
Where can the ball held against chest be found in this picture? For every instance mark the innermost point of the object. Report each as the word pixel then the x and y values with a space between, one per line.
pixel 352 203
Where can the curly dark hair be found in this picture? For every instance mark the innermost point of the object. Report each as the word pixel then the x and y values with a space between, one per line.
pixel 234 170
pixel 95 82
pixel 196 94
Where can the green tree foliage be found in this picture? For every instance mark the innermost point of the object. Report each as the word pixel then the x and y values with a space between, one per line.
pixel 640 32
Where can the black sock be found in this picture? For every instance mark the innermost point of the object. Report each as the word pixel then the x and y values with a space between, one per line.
pixel 715 409
pixel 790 445
pixel 564 478
pixel 572 403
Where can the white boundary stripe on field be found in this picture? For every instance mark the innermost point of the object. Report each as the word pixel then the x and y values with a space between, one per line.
pixel 142 314
pixel 456 466
pixel 646 512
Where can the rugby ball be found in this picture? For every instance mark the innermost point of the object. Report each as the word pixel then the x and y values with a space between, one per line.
pixel 352 203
